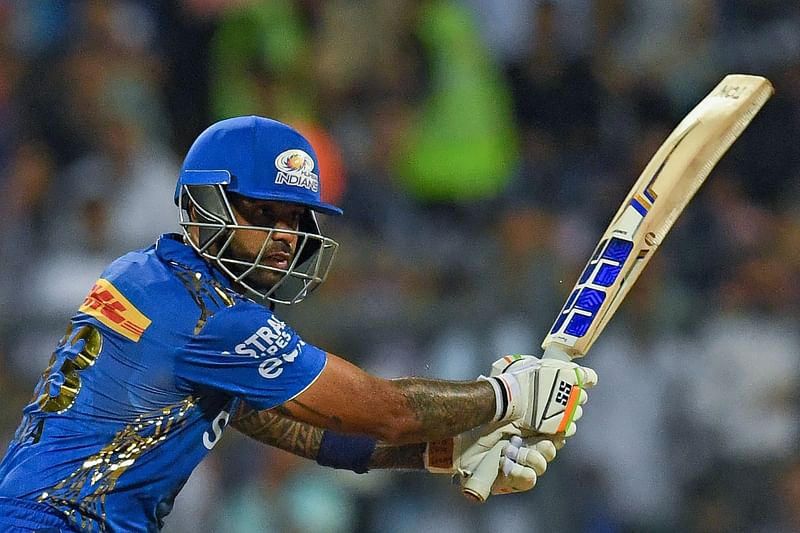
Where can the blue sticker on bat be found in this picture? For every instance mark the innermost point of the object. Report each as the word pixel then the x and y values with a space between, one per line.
pixel 586 300
pixel 590 299
pixel 618 249
pixel 607 275
pixel 579 325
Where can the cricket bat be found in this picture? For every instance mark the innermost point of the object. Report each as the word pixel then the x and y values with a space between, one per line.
pixel 658 197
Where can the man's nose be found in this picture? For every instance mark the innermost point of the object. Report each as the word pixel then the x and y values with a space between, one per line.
pixel 283 231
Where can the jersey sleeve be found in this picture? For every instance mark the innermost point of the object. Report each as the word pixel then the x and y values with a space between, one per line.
pixel 247 352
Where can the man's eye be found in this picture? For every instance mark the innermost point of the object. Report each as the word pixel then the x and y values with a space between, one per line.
pixel 260 217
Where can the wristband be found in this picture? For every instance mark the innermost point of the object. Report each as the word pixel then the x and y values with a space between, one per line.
pixel 348 452
pixel 504 392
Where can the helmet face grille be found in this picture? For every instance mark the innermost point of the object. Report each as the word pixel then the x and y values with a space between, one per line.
pixel 207 208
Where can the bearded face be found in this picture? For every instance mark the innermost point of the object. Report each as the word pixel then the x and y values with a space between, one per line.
pixel 269 249
pixel 272 243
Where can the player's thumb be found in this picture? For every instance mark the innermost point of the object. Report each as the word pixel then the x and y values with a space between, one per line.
pixel 478 486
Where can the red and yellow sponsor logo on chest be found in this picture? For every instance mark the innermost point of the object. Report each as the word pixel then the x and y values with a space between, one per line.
pixel 110 307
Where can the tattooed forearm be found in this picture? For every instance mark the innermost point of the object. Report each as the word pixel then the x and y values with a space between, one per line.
pixel 297 408
pixel 416 410
pixel 446 408
pixel 405 457
pixel 273 427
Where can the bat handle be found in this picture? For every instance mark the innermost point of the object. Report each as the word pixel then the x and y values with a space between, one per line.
pixel 555 351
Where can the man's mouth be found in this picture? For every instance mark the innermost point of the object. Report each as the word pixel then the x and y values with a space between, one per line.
pixel 279 260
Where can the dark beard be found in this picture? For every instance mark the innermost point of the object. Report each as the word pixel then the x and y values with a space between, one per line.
pixel 259 278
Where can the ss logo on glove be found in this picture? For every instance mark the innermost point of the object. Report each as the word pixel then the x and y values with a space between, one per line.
pixel 564 389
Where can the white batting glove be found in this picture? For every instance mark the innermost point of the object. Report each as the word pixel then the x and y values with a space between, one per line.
pixel 487 462
pixel 540 395
pixel 520 465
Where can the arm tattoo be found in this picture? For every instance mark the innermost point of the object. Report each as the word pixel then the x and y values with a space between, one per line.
pixel 405 457
pixel 440 408
pixel 276 428
pixel 447 408
pixel 334 421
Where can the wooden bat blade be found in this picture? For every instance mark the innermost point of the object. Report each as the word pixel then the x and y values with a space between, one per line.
pixel 664 188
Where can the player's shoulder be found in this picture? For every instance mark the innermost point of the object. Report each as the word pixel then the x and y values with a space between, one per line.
pixel 137 269
pixel 242 318
pixel 244 324
pixel 166 283
pixel 142 277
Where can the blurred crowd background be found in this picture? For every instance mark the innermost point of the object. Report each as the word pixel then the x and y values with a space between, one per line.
pixel 479 148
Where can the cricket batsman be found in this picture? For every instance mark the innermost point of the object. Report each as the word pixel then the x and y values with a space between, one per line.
pixel 179 340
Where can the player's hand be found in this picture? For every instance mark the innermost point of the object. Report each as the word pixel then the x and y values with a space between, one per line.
pixel 489 460
pixel 541 396
pixel 520 466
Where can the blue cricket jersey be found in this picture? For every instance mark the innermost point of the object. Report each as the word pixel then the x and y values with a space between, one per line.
pixel 139 389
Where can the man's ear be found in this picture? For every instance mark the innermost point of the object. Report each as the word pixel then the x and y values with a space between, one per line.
pixel 191 210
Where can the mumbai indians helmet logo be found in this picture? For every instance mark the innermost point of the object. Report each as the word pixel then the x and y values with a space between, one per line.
pixel 295 168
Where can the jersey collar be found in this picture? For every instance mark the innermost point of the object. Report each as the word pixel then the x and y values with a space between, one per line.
pixel 171 248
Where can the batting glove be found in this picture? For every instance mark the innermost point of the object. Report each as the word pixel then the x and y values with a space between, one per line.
pixel 489 460
pixel 542 396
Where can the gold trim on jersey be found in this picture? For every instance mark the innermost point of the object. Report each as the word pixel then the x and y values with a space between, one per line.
pixel 102 470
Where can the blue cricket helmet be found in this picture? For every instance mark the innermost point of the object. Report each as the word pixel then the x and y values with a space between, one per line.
pixel 262 159
pixel 258 158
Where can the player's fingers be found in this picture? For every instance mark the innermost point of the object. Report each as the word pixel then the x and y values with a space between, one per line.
pixel 532 458
pixel 522 478
pixel 587 378
pixel 547 448
pixel 578 414
pixel 583 398
pixel 511 449
pixel 517 476
pixel 505 485
pixel 515 452
pixel 571 429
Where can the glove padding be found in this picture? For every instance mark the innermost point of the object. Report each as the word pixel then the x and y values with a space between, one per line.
pixel 541 396
pixel 487 462
pixel 521 465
